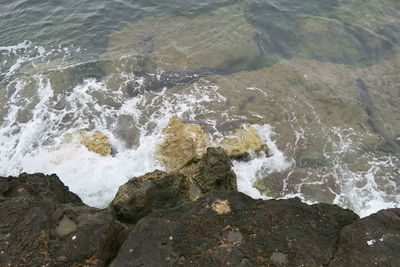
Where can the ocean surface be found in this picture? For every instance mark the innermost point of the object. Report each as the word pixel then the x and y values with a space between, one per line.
pixel 318 79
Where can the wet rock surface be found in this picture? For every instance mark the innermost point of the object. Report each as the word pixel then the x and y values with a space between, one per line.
pixel 96 142
pixel 43 224
pixel 160 190
pixel 242 142
pixel 182 143
pixel 318 110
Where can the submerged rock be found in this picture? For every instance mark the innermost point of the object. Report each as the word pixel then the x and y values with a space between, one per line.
pixel 318 112
pixel 229 228
pixel 222 39
pixel 330 39
pixel 243 141
pixel 160 190
pixel 44 224
pixel 96 142
pixel 182 143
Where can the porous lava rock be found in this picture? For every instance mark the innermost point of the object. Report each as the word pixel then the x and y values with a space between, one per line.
pixel 43 224
pixel 160 190
pixel 212 172
pixel 371 241
pixel 230 228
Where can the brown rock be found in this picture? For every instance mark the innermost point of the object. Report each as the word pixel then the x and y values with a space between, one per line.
pixel 183 143
pixel 96 142
pixel 244 141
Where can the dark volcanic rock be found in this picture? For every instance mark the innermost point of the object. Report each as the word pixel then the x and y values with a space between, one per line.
pixel 38 187
pixel 212 172
pixel 230 228
pixel 371 241
pixel 43 224
pixel 160 190
pixel 156 190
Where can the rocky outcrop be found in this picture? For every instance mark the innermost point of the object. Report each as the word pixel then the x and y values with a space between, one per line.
pixel 160 190
pixel 371 241
pixel 96 142
pixel 141 195
pixel 182 143
pixel 212 172
pixel 43 224
pixel 243 141
pixel 229 228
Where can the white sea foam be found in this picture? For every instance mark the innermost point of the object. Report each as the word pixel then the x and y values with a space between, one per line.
pixel 38 145
pixel 247 172
pixel 93 177
pixel 12 48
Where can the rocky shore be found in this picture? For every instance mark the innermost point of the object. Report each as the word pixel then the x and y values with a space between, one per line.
pixel 190 217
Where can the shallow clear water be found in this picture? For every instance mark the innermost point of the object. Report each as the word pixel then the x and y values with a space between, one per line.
pixel 319 80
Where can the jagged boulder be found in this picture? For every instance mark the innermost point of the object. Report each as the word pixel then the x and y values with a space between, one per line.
pixel 160 190
pixel 182 143
pixel 96 142
pixel 44 224
pixel 229 228
pixel 212 172
pixel 244 140
pixel 371 241
pixel 141 195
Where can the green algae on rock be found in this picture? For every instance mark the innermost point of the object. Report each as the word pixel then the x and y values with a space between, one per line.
pixel 355 32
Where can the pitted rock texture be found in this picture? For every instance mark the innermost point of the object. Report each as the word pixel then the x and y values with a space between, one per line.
pixel 249 233
pixel 371 241
pixel 44 224
pixel 160 190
